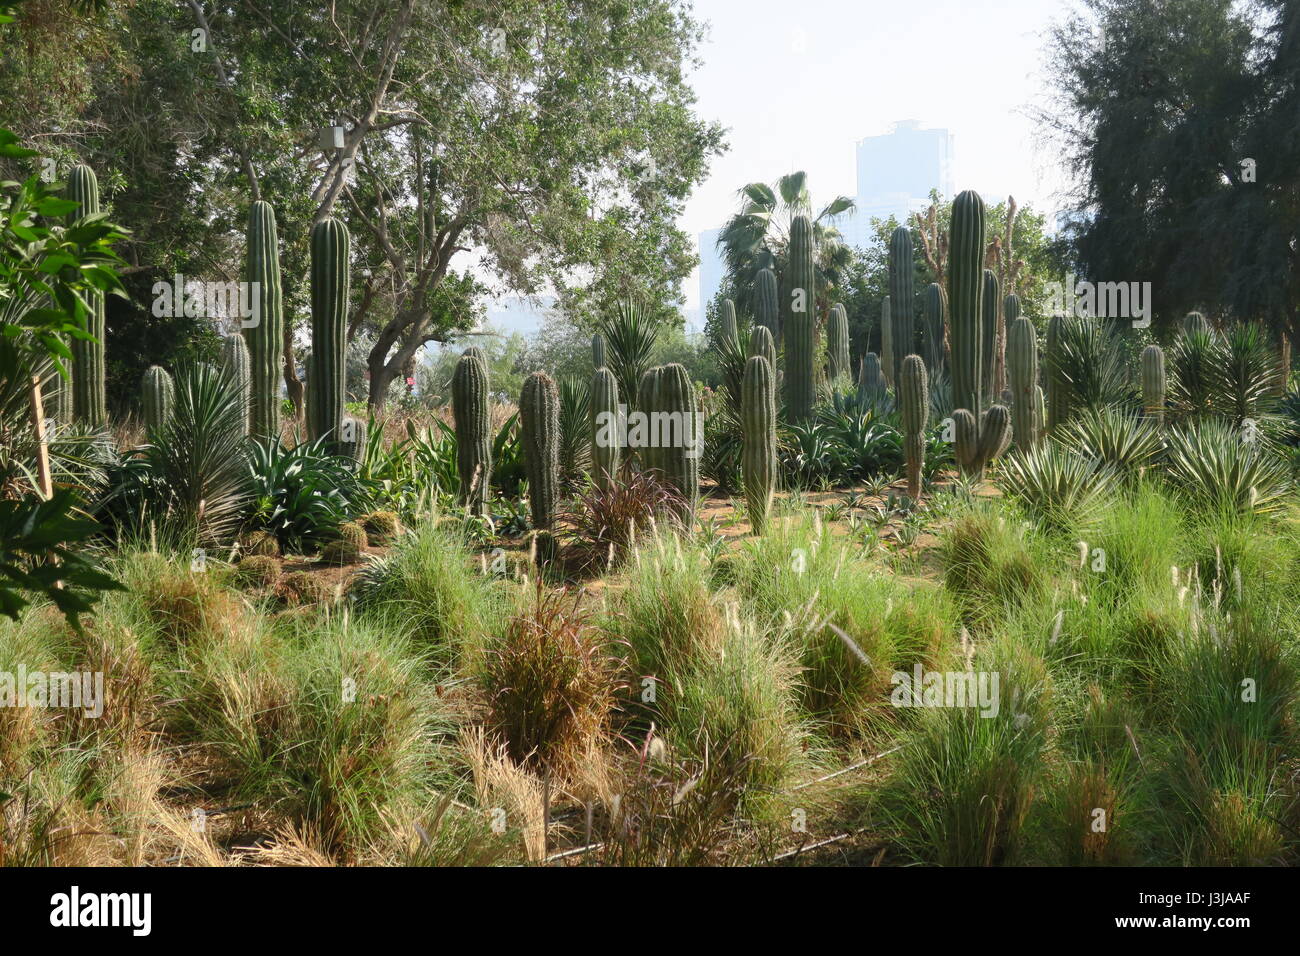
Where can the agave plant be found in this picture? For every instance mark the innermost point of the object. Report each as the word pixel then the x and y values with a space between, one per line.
pixel 301 494
pixel 1219 466
pixel 1124 440
pixel 1061 488
pixel 575 429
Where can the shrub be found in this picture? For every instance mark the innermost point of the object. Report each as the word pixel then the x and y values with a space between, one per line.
pixel 1217 467
pixel 301 494
pixel 1062 489
pixel 989 566
pixel 607 521
pixel 1122 440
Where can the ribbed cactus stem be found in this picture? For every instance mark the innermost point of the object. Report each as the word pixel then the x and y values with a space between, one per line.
pixel 761 343
pixel 965 301
pixel 597 351
pixel 935 310
pixel 1153 383
pixel 605 449
pixel 727 328
pixel 837 342
pixel 991 342
pixel 265 334
pixel 88 395
pixel 902 297
pixel 767 311
pixel 158 397
pixel 1022 369
pixel 647 395
pixel 470 413
pixel 353 435
pixel 914 403
pixel 330 246
pixel 1058 388
pixel 758 458
pixel 799 308
pixel 237 365
pixel 871 377
pixel 539 421
pixel 887 341
pixel 1195 324
pixel 979 441
pixel 679 456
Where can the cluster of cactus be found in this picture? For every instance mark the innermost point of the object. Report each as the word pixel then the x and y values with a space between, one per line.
pixel 767 310
pixel 470 414
pixel 539 421
pixel 1153 383
pixel 159 397
pixel 902 302
pixel 758 455
pixel 1022 372
pixel 668 390
pixel 265 336
pixel 979 434
pixel 604 427
pixel 330 246
pixel 914 403
pixel 837 342
pixel 799 311
pixel 89 402
pixel 236 363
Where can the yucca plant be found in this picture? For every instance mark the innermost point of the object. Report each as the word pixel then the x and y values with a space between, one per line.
pixel 1089 362
pixel 1059 487
pixel 1221 467
pixel 575 425
pixel 1124 440
pixel 1194 374
pixel 630 335
pixel 1248 373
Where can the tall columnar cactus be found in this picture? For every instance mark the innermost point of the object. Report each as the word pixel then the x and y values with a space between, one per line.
pixel 965 301
pixel 837 342
pixel 758 458
pixel 761 343
pixel 597 351
pixel 935 311
pixel 914 403
pixel 1010 312
pixel 887 341
pixel 727 328
pixel 978 442
pixel 1058 389
pixel 1022 370
pixel 674 394
pixel 647 394
pixel 799 312
pixel 236 363
pixel 902 298
pixel 871 377
pixel 265 336
pixel 469 410
pixel 1040 413
pixel 158 394
pixel 991 317
pixel 539 420
pixel 767 311
pixel 88 396
pixel 604 427
pixel 330 245
pixel 1195 324
pixel 1153 383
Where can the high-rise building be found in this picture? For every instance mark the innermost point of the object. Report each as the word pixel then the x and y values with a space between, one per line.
pixel 896 172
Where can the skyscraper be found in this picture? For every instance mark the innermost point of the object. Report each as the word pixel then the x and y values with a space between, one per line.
pixel 896 172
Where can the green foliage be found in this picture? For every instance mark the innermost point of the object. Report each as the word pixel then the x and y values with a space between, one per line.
pixel 539 418
pixel 1225 470
pixel 631 334
pixel 1060 488
pixel 301 494
pixel 473 431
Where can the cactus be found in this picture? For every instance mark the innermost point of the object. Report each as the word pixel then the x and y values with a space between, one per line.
pixel 965 301
pixel 799 311
pixel 991 319
pixel 159 397
pixel 88 397
pixel 1195 324
pixel 837 342
pixel 353 434
pixel 645 402
pixel 761 343
pixel 265 337
pixel 887 341
pixel 1022 369
pixel 235 362
pixel 330 245
pixel 871 377
pixel 728 331
pixel 978 444
pixel 902 299
pixel 674 394
pixel 604 427
pixel 539 420
pixel 935 312
pixel 597 351
pixel 469 409
pixel 914 402
pixel 758 458
pixel 1040 413
pixel 1058 389
pixel 1153 383
pixel 766 309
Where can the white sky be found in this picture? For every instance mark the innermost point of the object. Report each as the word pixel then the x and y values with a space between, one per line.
pixel 798 84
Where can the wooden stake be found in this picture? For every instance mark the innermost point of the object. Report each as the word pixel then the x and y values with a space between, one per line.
pixel 43 481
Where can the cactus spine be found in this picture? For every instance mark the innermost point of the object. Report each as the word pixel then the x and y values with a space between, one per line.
pixel 469 409
pixel 902 298
pixel 159 397
pixel 767 312
pixel 761 343
pixel 991 317
pixel 597 351
pixel 235 362
pixel 674 394
pixel 887 341
pixel 604 427
pixel 727 328
pixel 837 342
pixel 914 402
pixel 1153 383
pixel 1022 368
pixel 799 312
pixel 539 420
pixel 88 397
pixel 935 311
pixel 265 337
pixel 330 245
pixel 758 458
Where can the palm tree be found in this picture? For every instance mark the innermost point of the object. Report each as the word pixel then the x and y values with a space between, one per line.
pixel 755 237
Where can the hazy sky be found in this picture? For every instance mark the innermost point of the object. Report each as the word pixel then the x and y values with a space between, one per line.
pixel 798 84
